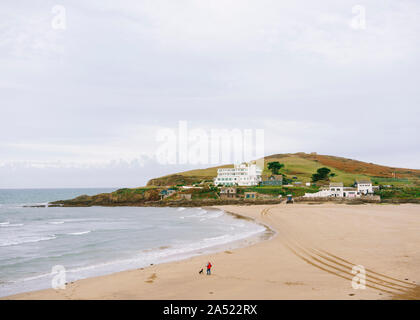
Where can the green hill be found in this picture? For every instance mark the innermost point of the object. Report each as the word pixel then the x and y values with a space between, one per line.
pixel 303 165
pixel 297 167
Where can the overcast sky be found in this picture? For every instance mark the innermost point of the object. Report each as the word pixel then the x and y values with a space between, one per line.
pixel 81 106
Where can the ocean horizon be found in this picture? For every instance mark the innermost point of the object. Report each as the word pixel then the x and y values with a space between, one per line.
pixel 93 241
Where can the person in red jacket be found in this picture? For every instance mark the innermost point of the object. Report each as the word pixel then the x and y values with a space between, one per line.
pixel 209 268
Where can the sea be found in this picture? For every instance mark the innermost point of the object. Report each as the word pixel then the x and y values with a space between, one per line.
pixel 37 243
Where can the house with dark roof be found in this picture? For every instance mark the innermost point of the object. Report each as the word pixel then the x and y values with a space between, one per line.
pixel 273 180
pixel 228 193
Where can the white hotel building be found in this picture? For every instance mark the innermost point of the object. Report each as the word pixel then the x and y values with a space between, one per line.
pixel 240 175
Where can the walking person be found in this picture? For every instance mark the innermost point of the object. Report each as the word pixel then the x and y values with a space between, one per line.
pixel 209 268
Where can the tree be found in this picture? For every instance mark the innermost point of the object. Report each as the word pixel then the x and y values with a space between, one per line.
pixel 275 166
pixel 286 180
pixel 321 174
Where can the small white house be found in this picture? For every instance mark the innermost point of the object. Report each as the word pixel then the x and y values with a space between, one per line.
pixel 336 189
pixel 350 193
pixel 364 186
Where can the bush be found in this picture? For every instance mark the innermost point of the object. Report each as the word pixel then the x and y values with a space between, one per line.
pixel 322 174
pixel 400 193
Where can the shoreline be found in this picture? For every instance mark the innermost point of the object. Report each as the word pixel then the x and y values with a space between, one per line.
pixel 224 202
pixel 244 241
pixel 289 265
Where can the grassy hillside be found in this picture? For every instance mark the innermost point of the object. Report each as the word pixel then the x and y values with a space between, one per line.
pixel 303 165
pixel 298 167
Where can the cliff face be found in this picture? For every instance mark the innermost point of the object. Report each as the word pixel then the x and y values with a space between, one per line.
pixel 140 197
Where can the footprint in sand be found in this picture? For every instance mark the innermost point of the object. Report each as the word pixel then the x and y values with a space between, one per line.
pixel 151 278
pixel 228 252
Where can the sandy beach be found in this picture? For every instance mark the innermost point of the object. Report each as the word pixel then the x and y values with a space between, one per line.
pixel 311 256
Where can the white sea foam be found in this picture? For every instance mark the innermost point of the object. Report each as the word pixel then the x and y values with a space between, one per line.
pixel 36 277
pixel 56 222
pixel 11 225
pixel 83 220
pixel 216 214
pixel 198 213
pixel 8 242
pixel 79 233
pixel 216 238
pixel 205 215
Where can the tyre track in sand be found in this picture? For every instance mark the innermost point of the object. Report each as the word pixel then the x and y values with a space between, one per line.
pixel 339 266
